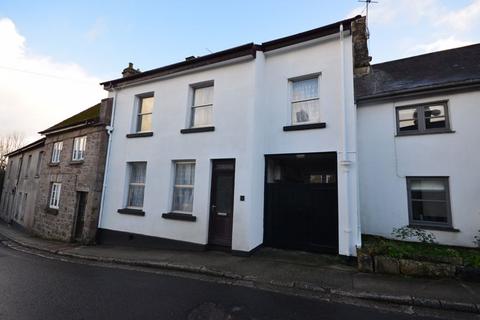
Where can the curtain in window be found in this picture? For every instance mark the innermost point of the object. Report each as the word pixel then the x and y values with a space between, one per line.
pixel 305 89
pixel 202 116
pixel 183 188
pixel 203 96
pixel 136 187
pixel 306 111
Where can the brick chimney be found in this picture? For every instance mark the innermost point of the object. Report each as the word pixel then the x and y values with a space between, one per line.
pixel 361 59
pixel 130 71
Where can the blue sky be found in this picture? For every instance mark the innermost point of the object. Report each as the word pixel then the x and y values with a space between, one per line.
pixel 91 41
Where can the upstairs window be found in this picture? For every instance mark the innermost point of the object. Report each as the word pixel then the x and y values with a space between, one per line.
pixel 55 195
pixel 29 162
pixel 39 163
pixel 202 107
pixel 57 150
pixel 136 184
pixel 424 118
pixel 183 186
pixel 305 101
pixel 144 114
pixel 79 146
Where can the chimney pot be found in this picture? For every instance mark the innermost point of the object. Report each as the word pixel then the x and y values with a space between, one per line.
pixel 130 71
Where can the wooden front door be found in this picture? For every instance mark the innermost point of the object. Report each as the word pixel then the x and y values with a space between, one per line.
pixel 221 203
pixel 80 215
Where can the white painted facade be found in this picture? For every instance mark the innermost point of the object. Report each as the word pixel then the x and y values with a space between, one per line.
pixel 251 106
pixel 385 161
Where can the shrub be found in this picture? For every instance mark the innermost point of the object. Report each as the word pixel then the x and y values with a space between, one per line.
pixel 411 233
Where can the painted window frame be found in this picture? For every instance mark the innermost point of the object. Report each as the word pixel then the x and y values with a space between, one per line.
pixel 427 224
pixel 291 101
pixel 139 114
pixel 54 199
pixel 79 147
pixel 194 88
pixel 420 110
pixel 135 184
pixel 174 185
pixel 56 152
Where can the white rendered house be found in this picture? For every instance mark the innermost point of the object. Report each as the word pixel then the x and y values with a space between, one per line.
pixel 248 146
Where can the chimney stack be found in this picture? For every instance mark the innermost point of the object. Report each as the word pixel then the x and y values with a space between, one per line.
pixel 130 71
pixel 361 59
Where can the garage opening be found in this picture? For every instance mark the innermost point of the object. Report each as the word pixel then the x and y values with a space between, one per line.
pixel 301 202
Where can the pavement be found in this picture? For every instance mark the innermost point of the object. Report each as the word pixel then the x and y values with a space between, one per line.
pixel 280 269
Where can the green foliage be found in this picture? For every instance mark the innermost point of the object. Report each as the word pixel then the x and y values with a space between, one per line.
pixel 411 233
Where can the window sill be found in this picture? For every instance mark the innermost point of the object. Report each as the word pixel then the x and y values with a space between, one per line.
pixel 438 228
pixel 133 212
pixel 199 129
pixel 308 126
pixel 179 216
pixel 54 164
pixel 140 135
pixel 422 133
pixel 51 211
pixel 76 162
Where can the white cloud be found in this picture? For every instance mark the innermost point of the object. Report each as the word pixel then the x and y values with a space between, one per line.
pixel 98 28
pixel 37 92
pixel 438 45
pixel 463 19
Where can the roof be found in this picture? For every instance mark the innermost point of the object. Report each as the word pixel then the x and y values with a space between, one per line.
pixel 88 116
pixel 438 70
pixel 36 144
pixel 245 50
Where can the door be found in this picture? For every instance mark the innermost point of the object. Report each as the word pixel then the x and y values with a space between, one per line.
pixel 80 215
pixel 301 202
pixel 221 203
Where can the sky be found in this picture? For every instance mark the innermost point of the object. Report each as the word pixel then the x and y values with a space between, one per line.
pixel 54 54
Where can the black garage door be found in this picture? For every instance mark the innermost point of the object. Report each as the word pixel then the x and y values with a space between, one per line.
pixel 301 206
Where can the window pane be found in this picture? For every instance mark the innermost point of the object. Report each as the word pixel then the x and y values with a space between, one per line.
pixel 201 116
pixel 146 105
pixel 135 196
pixel 434 111
pixel 308 111
pixel 182 199
pixel 203 96
pixel 305 89
pixel 184 173
pixel 430 211
pixel 407 114
pixel 144 122
pixel 137 172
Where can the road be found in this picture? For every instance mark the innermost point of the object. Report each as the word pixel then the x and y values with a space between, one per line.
pixel 32 287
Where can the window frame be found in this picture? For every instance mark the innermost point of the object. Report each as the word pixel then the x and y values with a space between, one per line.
pixel 139 114
pixel 136 184
pixel 54 198
pixel 430 224
pixel 76 152
pixel 192 108
pixel 291 101
pixel 29 163
pixel 420 109
pixel 174 185
pixel 39 164
pixel 56 152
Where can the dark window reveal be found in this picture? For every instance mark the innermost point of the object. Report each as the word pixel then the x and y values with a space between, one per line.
pixel 425 118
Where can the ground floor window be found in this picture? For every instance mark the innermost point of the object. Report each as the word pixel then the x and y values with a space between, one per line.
pixel 55 195
pixel 136 184
pixel 429 201
pixel 183 186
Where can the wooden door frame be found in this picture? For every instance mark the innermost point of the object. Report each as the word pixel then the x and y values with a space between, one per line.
pixel 75 216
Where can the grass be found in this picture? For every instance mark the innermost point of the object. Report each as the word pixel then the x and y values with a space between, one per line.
pixel 420 251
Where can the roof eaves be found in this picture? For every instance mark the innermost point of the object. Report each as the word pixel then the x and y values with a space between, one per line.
pixel 30 146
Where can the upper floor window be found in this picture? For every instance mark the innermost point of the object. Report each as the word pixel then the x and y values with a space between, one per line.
pixel 183 186
pixel 423 118
pixel 429 201
pixel 79 146
pixel 136 184
pixel 202 107
pixel 55 195
pixel 57 150
pixel 39 163
pixel 305 101
pixel 29 162
pixel 144 114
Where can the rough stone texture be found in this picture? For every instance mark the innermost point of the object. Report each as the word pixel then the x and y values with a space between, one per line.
pixel 86 176
pixel 361 58
pixel 429 269
pixel 365 261
pixel 386 265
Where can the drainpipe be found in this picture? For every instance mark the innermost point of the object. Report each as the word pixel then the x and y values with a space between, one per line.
pixel 109 130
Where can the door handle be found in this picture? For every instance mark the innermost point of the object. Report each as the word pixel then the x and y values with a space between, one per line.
pixel 223 214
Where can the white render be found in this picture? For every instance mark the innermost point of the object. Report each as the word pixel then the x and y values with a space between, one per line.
pixel 251 106
pixel 385 160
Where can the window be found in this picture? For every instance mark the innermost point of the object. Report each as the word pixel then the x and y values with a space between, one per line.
pixel 136 184
pixel 305 102
pixel 55 195
pixel 57 150
pixel 429 201
pixel 425 118
pixel 39 163
pixel 79 145
pixel 183 187
pixel 29 162
pixel 202 107
pixel 144 116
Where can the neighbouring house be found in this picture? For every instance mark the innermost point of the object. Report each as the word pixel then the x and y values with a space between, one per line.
pixel 418 145
pixel 71 177
pixel 21 182
pixel 248 146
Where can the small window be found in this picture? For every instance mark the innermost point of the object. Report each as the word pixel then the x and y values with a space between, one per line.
pixel 429 201
pixel 39 163
pixel 183 187
pixel 144 115
pixel 427 118
pixel 79 146
pixel 57 150
pixel 136 184
pixel 305 102
pixel 29 162
pixel 55 195
pixel 202 107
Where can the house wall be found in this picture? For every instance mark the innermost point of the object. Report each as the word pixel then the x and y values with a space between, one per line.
pixel 250 109
pixel 385 160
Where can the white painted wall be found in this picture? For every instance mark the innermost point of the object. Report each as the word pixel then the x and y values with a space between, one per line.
pixel 250 109
pixel 385 161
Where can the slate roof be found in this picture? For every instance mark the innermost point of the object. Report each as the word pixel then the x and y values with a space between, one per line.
pixel 36 144
pixel 442 69
pixel 88 116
